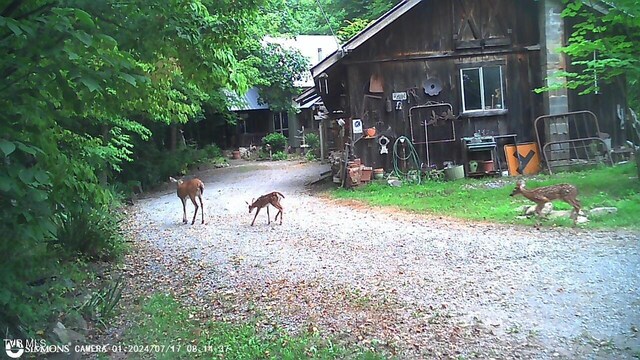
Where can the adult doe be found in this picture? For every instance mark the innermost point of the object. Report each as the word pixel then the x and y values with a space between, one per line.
pixel 543 195
pixel 272 198
pixel 193 188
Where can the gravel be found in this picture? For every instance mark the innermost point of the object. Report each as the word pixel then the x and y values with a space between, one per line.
pixel 409 284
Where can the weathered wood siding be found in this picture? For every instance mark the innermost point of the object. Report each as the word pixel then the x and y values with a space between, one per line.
pixel 433 41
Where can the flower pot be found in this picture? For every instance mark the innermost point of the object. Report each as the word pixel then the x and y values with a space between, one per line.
pixel 366 174
pixel 235 154
pixel 378 174
pixel 486 166
pixel 473 166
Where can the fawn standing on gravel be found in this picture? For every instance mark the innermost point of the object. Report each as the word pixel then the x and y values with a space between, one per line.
pixel 193 188
pixel 543 195
pixel 272 198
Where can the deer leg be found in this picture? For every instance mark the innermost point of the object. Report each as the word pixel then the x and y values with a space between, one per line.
pixel 254 218
pixel 268 216
pixel 279 207
pixel 201 208
pixel 576 209
pixel 193 200
pixel 184 210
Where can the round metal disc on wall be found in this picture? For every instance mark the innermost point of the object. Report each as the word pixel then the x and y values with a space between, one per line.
pixel 432 87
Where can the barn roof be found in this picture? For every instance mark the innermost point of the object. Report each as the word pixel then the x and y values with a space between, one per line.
pixel 389 17
pixel 372 29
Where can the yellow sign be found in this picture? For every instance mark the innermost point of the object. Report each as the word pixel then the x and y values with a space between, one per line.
pixel 525 162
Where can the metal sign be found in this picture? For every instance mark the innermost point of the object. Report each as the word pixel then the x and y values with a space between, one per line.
pixel 523 159
pixel 357 126
pixel 399 96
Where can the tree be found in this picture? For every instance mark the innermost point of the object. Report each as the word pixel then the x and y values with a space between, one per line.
pixel 308 16
pixel 279 69
pixel 604 44
pixel 79 82
pixel 351 29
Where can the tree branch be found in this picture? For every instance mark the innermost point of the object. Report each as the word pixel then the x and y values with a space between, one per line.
pixel 41 9
pixel 11 8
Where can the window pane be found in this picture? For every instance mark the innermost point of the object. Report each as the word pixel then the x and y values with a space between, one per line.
pixel 492 87
pixel 471 86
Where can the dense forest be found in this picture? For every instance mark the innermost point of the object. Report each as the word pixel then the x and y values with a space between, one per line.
pixel 94 95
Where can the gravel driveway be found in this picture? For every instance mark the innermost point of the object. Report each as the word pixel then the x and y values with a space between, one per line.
pixel 416 286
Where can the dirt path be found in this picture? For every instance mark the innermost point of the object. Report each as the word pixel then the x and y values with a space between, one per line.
pixel 416 286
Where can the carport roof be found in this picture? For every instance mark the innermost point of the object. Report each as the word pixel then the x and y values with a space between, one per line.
pixel 248 101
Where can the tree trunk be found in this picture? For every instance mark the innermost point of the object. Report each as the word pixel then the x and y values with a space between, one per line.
pixel 173 137
pixel 104 174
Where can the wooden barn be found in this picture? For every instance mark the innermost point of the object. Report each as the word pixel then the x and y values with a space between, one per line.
pixel 456 77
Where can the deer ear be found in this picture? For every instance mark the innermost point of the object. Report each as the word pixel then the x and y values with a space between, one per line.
pixel 172 179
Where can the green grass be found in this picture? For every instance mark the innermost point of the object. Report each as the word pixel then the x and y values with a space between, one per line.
pixel 488 199
pixel 163 321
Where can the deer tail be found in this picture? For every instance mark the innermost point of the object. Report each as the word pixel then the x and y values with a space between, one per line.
pixel 201 187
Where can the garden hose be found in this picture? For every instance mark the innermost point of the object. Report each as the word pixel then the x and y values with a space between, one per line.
pixel 412 155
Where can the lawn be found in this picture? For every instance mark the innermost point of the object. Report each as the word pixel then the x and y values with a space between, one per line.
pixel 488 199
pixel 177 334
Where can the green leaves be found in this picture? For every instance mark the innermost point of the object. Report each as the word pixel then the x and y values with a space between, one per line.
pixel 7 147
pixel 602 46
pixel 91 84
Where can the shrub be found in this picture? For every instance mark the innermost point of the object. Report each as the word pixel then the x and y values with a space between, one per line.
pixel 280 155
pixel 313 140
pixel 92 233
pixel 277 141
pixel 213 151
pixel 310 156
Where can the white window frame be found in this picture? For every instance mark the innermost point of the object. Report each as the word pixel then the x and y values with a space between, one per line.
pixel 482 98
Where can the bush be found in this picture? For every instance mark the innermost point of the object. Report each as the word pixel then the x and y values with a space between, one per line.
pixel 313 140
pixel 280 155
pixel 310 156
pixel 91 233
pixel 277 141
pixel 213 151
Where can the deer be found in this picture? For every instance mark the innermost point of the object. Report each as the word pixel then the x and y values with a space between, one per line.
pixel 543 195
pixel 272 198
pixel 193 188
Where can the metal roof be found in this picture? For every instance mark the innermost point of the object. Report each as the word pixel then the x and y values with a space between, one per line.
pixel 248 101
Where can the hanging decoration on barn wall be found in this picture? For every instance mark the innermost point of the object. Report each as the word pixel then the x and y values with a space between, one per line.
pixel 383 141
pixel 432 86
pixel 357 126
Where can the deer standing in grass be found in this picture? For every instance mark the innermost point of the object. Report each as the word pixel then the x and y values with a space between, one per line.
pixel 193 188
pixel 272 198
pixel 543 195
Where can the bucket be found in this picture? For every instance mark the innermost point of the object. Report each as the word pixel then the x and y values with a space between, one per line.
pixel 454 172
pixel 378 173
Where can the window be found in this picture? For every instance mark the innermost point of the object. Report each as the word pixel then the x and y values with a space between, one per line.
pixel 281 123
pixel 482 88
